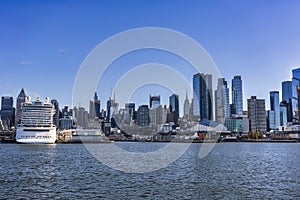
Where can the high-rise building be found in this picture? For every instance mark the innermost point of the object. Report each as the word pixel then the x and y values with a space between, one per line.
pixel 154 101
pixel 174 104
pixel 274 106
pixel 257 115
pixel 143 118
pixel 283 114
pixel 94 108
pixel 111 108
pixel 289 110
pixel 222 107
pixel 20 99
pixel 270 120
pixel 295 84
pixel 237 95
pixel 202 96
pixel 7 112
pixel 97 106
pixel 81 116
pixel 56 115
pixel 287 94
pixel 129 113
pixel 186 107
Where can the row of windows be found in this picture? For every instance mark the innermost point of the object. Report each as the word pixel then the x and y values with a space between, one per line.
pixel 37 137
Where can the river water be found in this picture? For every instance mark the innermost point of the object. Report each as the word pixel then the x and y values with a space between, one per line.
pixel 229 171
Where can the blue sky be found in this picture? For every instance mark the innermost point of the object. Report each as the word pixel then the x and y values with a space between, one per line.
pixel 43 43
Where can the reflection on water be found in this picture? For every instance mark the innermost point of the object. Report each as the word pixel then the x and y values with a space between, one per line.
pixel 235 170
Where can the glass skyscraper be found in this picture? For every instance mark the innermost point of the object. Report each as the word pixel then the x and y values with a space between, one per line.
pixel 202 96
pixel 222 107
pixel 237 95
pixel 7 112
pixel 275 106
pixel 174 104
pixel 295 84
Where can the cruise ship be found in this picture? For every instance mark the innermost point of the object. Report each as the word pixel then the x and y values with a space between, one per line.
pixel 36 125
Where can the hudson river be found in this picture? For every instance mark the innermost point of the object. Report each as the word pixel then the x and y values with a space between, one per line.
pixel 229 171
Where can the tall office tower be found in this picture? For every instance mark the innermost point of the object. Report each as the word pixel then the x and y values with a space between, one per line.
pixel 186 107
pixel 129 112
pixel 174 104
pixel 257 115
pixel 154 101
pixel 20 99
pixel 287 94
pixel 222 107
pixel 202 96
pixel 237 95
pixel 81 116
pixel 7 112
pixel 275 106
pixel 283 114
pixel 295 84
pixel 143 118
pixel 94 107
pixel 97 105
pixel 287 99
pixel 112 108
pixel 56 115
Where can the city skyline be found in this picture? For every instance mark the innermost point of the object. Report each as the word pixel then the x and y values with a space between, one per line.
pixel 247 47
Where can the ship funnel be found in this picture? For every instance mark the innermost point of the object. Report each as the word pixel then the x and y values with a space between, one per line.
pixel 38 99
pixel 47 100
pixel 27 99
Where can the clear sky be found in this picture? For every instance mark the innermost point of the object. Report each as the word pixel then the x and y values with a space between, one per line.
pixel 43 43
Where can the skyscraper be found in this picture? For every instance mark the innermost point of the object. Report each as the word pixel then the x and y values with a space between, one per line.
pixel 20 99
pixel 222 107
pixel 202 96
pixel 7 112
pixel 295 84
pixel 237 95
pixel 57 112
pixel 287 91
pixel 154 101
pixel 257 115
pixel 186 107
pixel 97 105
pixel 174 107
pixel 275 106
pixel 143 118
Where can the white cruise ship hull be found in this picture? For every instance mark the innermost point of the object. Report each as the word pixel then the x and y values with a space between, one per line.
pixel 36 135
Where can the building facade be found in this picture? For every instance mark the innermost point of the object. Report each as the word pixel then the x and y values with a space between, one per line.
pixel 222 107
pixel 275 106
pixel 7 112
pixel 202 97
pixel 257 115
pixel 237 95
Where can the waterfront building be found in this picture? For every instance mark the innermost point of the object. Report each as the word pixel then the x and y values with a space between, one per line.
pixel 222 107
pixel 186 107
pixel 283 115
pixel 143 115
pixel 257 115
pixel 270 120
pixel 161 114
pixel 66 122
pixel 275 106
pixel 20 99
pixel 202 96
pixel 57 114
pixel 295 84
pixel 7 112
pixel 238 124
pixel 154 101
